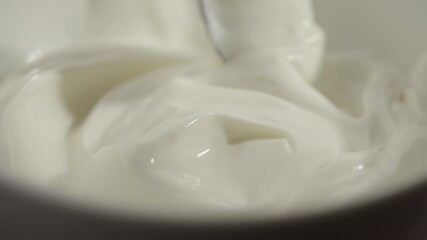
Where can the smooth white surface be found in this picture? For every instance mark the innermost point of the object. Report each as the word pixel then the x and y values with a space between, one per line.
pixel 392 30
pixel 142 116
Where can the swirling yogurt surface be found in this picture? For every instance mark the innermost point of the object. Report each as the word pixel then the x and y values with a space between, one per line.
pixel 159 123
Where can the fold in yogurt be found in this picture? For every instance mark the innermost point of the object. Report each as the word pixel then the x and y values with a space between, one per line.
pixel 163 126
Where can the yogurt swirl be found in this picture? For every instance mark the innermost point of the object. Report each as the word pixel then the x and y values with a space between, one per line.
pixel 165 127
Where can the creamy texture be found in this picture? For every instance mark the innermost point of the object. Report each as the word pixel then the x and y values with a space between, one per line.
pixel 161 125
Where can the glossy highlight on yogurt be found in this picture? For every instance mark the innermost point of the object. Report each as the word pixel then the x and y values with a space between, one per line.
pixel 229 113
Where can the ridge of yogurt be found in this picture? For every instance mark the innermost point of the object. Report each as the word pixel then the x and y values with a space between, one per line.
pixel 177 133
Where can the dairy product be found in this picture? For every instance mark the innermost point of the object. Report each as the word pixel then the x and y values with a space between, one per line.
pixel 160 124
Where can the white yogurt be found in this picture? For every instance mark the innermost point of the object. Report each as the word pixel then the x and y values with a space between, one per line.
pixel 159 125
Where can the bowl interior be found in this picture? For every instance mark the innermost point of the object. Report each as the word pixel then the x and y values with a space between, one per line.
pixel 393 30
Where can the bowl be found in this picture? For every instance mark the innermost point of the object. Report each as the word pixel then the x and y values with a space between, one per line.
pixel 393 30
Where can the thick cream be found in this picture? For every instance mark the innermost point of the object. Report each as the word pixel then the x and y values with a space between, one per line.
pixel 159 124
